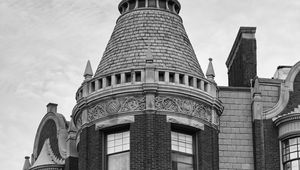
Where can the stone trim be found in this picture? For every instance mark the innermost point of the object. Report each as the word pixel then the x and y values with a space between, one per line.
pixel 286 88
pixel 61 133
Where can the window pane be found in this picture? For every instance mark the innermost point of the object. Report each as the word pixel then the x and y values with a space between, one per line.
pixel 181 166
pixel 182 142
pixel 118 161
pixel 118 142
pixel 295 165
pixel 182 162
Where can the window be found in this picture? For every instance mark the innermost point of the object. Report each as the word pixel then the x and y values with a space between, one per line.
pixel 181 78
pixel 291 154
pixel 131 4
pixel 198 83
pixel 152 3
pixel 138 76
pixel 163 4
pixel 118 146
pixel 142 3
pixel 108 81
pixel 93 86
pixel 100 83
pixel 161 76
pixel 191 81
pixel 182 151
pixel 172 77
pixel 128 77
pixel 118 78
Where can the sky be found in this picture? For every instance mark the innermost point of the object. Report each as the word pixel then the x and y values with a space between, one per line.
pixel 45 44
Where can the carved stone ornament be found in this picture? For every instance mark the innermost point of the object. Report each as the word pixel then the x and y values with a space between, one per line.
pixel 184 106
pixel 79 121
pixel 115 106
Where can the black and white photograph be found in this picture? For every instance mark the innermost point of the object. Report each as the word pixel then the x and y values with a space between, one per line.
pixel 150 84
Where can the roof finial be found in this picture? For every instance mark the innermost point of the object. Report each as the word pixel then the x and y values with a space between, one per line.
pixel 210 73
pixel 88 72
pixel 26 163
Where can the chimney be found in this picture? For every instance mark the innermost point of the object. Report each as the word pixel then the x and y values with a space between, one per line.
pixel 241 63
pixel 52 107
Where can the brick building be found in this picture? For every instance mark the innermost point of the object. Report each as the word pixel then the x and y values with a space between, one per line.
pixel 150 107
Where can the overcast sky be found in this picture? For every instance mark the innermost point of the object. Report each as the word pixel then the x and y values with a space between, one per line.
pixel 45 44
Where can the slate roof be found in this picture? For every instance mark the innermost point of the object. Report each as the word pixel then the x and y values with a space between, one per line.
pixel 140 29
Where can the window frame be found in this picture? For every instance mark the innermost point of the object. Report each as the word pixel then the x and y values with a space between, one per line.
pixel 187 131
pixel 283 153
pixel 114 130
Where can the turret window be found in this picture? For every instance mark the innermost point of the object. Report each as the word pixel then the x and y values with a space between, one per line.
pixel 172 77
pixel 128 77
pixel 118 78
pixel 191 81
pixel 100 83
pixel 131 4
pixel 117 150
pixel 163 4
pixel 138 76
pixel 161 76
pixel 198 83
pixel 181 78
pixel 152 3
pixel 108 81
pixel 142 3
pixel 182 151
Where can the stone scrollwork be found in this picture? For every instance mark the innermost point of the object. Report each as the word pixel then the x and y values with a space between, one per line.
pixel 115 106
pixel 184 106
pixel 79 121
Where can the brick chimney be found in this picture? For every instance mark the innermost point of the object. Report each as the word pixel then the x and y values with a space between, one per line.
pixel 52 107
pixel 241 63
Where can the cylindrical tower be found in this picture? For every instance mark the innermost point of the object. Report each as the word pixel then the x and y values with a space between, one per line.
pixel 149 105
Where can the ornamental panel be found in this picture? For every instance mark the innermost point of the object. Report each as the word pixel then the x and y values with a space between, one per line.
pixel 184 106
pixel 116 106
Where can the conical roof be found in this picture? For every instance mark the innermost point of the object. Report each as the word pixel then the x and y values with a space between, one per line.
pixel 159 28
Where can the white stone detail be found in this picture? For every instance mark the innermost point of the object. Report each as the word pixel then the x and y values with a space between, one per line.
pixel 185 121
pixel 47 157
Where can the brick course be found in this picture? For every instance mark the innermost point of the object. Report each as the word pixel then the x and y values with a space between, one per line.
pixel 151 143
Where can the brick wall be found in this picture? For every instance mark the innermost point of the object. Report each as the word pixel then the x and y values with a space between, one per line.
pixel 208 149
pixel 151 143
pixel 71 163
pixel 90 149
pixel 267 155
pixel 235 138
pixel 244 64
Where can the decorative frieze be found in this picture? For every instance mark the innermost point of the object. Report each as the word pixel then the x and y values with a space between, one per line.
pixel 161 103
pixel 119 105
pixel 184 106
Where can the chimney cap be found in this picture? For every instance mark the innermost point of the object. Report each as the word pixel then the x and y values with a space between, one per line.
pixel 52 107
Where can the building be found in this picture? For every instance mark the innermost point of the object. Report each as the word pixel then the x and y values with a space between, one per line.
pixel 149 106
